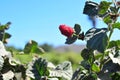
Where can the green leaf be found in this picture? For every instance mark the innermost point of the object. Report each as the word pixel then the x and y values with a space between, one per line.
pixel 71 40
pixel 115 76
pixel 94 75
pixel 86 53
pixel 98 56
pixel 5 27
pixel 37 68
pixel 32 47
pixel 114 9
pixel 95 68
pixel 2 27
pixel 116 25
pixel 38 50
pixel 103 7
pixel 107 20
pixel 114 44
pixel 41 66
pixel 79 73
pixel 77 29
pixel 97 39
pixel 85 64
pixel 6 36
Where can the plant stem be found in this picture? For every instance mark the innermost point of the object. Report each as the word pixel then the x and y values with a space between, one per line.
pixel 102 59
pixel 91 61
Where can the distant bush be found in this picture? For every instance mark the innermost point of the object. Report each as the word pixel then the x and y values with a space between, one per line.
pixel 47 47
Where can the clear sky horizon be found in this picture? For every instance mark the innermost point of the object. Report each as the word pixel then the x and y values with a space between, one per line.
pixel 39 20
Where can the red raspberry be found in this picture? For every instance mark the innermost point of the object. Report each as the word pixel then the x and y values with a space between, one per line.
pixel 66 30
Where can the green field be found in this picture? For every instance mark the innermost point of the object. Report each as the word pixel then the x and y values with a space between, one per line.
pixel 57 58
pixel 53 57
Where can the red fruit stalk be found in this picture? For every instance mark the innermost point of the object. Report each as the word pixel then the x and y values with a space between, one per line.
pixel 66 30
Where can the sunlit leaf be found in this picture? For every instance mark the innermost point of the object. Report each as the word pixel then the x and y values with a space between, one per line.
pixel 114 44
pixel 95 68
pixel 3 51
pixel 107 20
pixel 37 68
pixel 116 25
pixel 5 27
pixel 114 55
pixel 8 75
pixel 32 47
pixel 103 7
pixel 98 56
pixel 97 39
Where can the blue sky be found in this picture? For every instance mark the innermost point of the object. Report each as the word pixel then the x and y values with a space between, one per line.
pixel 39 20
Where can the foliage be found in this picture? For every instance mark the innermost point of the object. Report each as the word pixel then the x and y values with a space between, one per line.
pixel 116 76
pixel 98 37
pixel 100 58
pixel 4 35
pixel 76 35
pixel 32 47
pixel 46 47
pixel 27 63
pixel 100 51
pixel 39 68
pixel 57 58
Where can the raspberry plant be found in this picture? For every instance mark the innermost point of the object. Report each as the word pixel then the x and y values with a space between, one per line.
pixel 101 54
pixel 101 57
